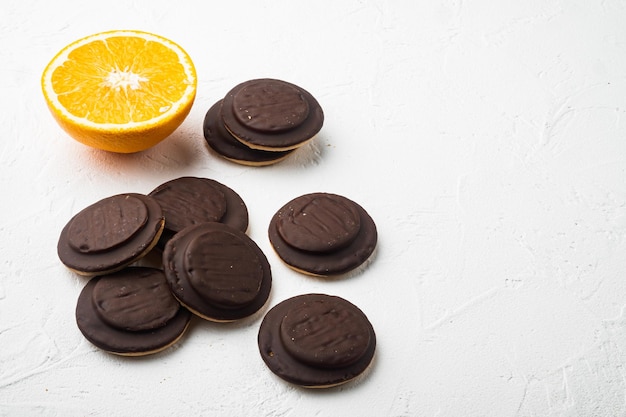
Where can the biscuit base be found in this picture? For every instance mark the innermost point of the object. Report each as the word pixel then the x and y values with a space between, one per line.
pixel 270 148
pixel 213 319
pixel 363 374
pixel 357 270
pixel 254 163
pixel 151 352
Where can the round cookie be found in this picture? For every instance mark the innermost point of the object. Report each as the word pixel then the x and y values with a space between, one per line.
pixel 217 272
pixel 110 234
pixel 316 340
pixel 271 115
pixel 131 312
pixel 188 201
pixel 323 234
pixel 222 142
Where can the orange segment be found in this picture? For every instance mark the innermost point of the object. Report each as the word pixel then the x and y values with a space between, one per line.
pixel 122 91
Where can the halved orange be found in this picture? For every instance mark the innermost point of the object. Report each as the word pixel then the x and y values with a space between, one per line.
pixel 121 91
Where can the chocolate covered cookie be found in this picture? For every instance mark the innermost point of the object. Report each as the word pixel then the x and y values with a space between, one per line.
pixel 316 340
pixel 188 201
pixel 110 234
pixel 271 115
pixel 217 272
pixel 131 312
pixel 323 234
pixel 222 142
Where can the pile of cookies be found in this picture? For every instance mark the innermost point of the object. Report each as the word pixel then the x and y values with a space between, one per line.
pixel 209 266
pixel 260 122
pixel 206 265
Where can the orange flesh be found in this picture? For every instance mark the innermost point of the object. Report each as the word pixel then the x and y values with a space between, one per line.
pixel 120 80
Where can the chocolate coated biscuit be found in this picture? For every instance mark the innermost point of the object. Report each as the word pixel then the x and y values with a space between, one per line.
pixel 134 299
pixel 187 201
pixel 110 234
pixel 222 142
pixel 217 272
pixel 131 312
pixel 316 340
pixel 271 115
pixel 323 234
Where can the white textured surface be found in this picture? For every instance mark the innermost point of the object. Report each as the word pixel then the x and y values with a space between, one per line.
pixel 486 138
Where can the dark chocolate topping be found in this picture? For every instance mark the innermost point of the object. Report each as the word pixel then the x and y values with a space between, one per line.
pixel 341 260
pixel 187 265
pixel 333 341
pixel 110 234
pixel 187 201
pixel 222 142
pixel 326 333
pixel 319 222
pixel 223 269
pixel 135 299
pixel 123 342
pixel 270 106
pixel 107 224
pixel 262 136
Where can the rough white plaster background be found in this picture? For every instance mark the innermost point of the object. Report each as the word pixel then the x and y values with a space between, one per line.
pixel 486 138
